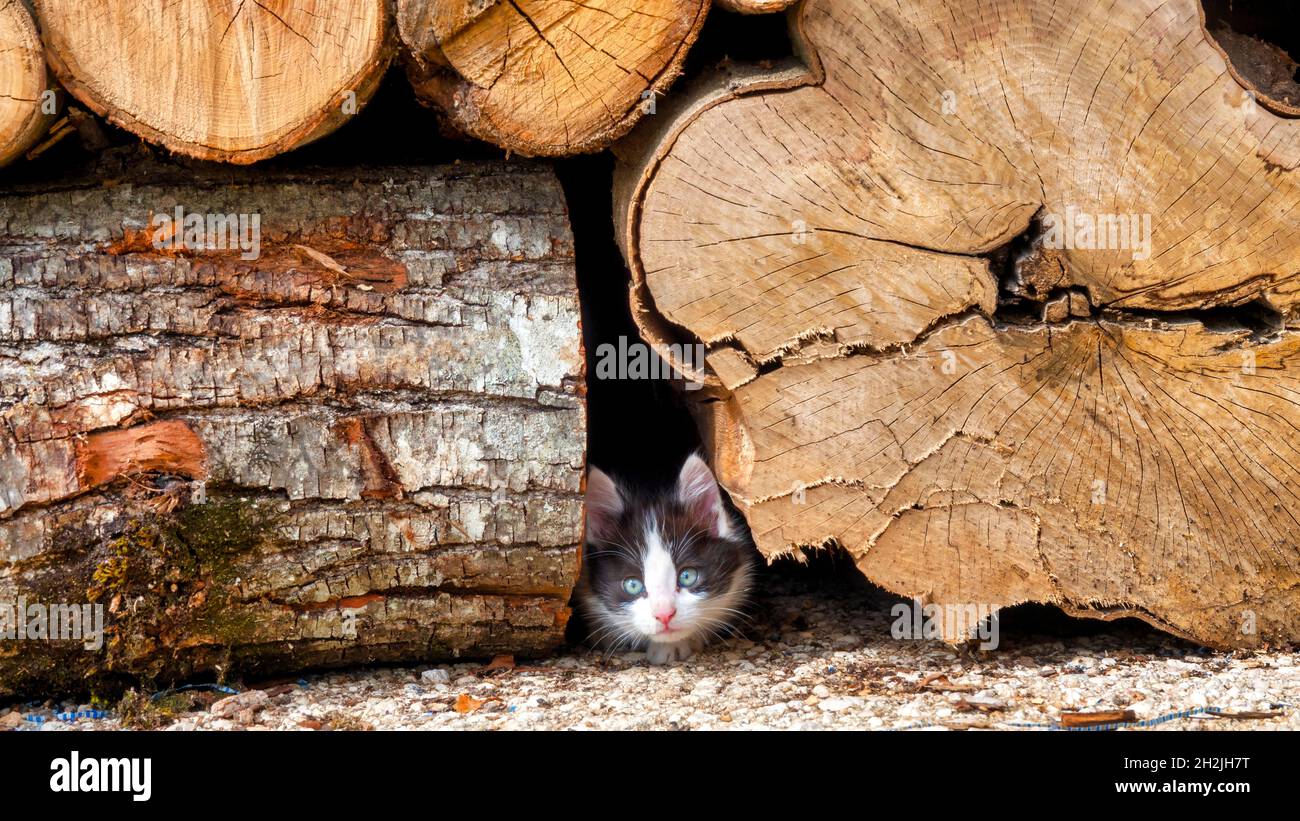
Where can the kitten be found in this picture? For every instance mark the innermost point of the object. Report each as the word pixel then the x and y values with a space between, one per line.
pixel 664 573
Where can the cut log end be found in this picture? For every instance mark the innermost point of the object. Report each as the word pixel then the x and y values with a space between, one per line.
pixel 25 107
pixel 547 78
pixel 1000 353
pixel 755 6
pixel 235 82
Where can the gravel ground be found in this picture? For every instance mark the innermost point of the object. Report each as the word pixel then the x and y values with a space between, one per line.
pixel 813 658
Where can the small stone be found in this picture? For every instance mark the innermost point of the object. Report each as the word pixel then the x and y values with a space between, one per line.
pixel 11 721
pixel 233 706
pixel 705 687
pixel 435 676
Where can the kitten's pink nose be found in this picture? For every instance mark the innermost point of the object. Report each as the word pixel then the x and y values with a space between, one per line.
pixel 665 616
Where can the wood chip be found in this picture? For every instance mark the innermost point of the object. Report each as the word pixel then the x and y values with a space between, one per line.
pixel 939 683
pixel 505 662
pixel 324 259
pixel 1093 719
pixel 466 703
pixel 1250 715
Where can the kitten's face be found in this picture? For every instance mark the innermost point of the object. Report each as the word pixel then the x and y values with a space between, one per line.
pixel 662 570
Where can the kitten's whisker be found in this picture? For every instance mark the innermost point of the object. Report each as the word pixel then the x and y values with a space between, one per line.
pixel 716 622
pixel 610 647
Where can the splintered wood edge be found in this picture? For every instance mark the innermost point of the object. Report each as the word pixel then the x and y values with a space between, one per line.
pixel 1272 104
pixel 362 84
pixel 35 121
pixel 169 446
pixel 423 24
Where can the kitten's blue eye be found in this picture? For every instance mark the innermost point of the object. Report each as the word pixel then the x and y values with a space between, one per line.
pixel 633 587
pixel 688 577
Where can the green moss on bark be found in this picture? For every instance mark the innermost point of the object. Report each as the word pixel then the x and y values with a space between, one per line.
pixel 166 582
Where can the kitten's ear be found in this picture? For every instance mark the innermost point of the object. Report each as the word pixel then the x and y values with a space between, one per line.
pixel 699 493
pixel 604 505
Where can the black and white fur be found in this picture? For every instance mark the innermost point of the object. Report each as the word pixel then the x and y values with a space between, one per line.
pixel 664 573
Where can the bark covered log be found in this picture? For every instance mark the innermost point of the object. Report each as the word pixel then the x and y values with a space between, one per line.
pixel 546 77
pixel 918 352
pixel 364 445
pixel 237 82
pixel 24 113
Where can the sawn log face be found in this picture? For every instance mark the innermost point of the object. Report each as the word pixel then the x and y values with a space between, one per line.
pixel 831 230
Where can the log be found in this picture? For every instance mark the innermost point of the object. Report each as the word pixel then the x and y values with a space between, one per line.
pixel 755 6
pixel 546 78
pixel 914 353
pixel 24 112
pixel 363 441
pixel 236 82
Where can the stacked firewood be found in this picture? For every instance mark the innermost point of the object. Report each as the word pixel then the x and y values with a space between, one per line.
pixel 997 296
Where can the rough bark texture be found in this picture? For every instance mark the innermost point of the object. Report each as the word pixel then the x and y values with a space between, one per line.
pixel 904 361
pixel 365 445
pixel 546 77
pixel 22 81
pixel 236 82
